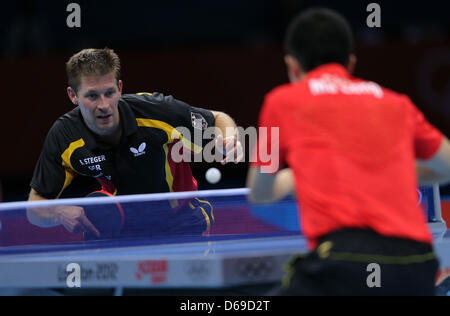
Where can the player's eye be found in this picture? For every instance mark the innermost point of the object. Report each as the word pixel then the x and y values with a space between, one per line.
pixel 110 93
pixel 92 97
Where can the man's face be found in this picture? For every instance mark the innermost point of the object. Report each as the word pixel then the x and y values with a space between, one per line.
pixel 98 99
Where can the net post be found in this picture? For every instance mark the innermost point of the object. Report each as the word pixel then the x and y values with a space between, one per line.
pixel 437 203
pixel 438 227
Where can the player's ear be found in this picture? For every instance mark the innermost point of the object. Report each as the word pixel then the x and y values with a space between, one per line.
pixel 120 86
pixel 351 64
pixel 72 95
pixel 294 69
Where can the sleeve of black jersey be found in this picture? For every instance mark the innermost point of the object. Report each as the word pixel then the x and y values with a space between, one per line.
pixel 50 175
pixel 195 124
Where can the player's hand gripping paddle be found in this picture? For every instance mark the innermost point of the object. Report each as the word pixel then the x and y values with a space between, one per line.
pixel 108 218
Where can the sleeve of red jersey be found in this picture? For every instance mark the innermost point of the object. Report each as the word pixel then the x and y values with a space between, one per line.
pixel 268 152
pixel 427 138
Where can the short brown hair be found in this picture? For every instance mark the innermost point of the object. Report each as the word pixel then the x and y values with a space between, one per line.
pixel 92 62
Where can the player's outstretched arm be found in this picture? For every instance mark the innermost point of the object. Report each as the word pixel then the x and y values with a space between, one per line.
pixel 437 168
pixel 73 218
pixel 269 188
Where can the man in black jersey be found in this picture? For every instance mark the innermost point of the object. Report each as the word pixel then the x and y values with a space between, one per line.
pixel 124 141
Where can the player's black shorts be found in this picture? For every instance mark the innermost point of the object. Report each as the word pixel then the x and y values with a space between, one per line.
pixel 362 262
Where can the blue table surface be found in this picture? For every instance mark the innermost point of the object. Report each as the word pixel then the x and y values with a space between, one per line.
pixel 186 246
pixel 219 246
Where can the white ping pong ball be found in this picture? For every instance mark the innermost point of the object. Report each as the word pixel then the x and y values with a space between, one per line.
pixel 213 175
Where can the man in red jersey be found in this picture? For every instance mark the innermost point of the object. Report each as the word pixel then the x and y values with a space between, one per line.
pixel 351 146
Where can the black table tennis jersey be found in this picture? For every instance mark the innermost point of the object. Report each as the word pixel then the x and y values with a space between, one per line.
pixel 142 161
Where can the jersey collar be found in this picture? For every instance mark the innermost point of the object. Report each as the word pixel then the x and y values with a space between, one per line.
pixel 332 68
pixel 128 118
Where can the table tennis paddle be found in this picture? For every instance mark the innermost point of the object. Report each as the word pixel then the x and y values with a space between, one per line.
pixel 108 218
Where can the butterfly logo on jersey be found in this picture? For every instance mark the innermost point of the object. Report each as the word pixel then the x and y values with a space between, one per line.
pixel 140 151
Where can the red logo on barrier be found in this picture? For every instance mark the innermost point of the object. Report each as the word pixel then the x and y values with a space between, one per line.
pixel 156 269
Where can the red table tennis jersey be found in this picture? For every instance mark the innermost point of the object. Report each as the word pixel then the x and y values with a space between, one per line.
pixel 352 146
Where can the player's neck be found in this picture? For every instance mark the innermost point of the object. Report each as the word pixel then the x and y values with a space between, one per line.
pixel 113 139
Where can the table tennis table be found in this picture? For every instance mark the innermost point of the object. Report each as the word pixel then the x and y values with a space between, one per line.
pixel 220 261
pixel 211 263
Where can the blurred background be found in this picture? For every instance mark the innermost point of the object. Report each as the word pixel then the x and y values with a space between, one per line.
pixel 221 55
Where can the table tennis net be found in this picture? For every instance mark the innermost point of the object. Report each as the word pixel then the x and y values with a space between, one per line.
pixel 186 214
pixel 202 214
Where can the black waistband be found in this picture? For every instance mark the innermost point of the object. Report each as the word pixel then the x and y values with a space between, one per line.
pixel 368 241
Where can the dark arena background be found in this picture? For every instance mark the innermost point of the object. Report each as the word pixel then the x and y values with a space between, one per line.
pixel 221 55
